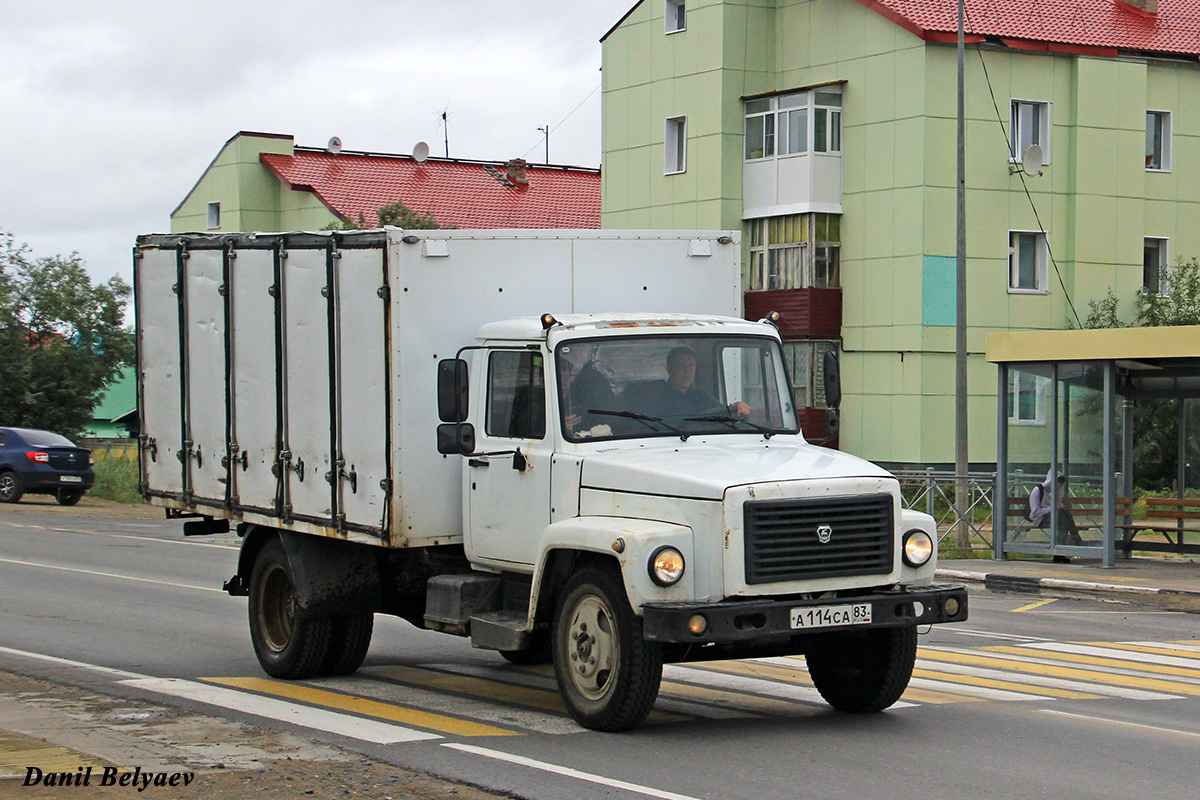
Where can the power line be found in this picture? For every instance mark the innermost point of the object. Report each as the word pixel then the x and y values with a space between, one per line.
pixel 564 119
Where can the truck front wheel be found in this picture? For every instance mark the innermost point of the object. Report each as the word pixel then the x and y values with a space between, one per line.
pixel 863 671
pixel 607 673
pixel 289 643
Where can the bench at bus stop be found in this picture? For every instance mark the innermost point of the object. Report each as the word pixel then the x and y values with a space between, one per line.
pixel 1165 516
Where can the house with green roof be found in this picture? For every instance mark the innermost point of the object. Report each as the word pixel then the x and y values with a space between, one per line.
pixel 115 416
pixel 826 131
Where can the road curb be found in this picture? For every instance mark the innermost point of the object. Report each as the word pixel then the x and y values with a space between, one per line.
pixel 1173 599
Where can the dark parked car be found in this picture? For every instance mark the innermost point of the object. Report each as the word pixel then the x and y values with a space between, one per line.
pixel 40 462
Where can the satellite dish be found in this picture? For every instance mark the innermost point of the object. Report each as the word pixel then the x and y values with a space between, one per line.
pixel 420 152
pixel 335 145
pixel 1031 160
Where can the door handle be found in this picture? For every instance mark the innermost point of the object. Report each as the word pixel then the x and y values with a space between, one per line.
pixel 478 462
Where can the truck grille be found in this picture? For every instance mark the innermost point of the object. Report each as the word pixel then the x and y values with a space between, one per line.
pixel 782 541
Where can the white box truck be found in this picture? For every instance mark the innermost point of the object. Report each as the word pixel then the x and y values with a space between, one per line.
pixel 565 445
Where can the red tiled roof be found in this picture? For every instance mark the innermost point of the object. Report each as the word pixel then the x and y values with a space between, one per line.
pixel 1102 27
pixel 459 193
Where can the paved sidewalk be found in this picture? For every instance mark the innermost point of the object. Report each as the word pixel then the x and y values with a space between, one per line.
pixel 1165 583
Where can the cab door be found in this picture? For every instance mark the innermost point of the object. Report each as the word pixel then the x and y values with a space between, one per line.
pixel 509 495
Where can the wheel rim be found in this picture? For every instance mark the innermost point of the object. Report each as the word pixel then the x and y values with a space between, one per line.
pixel 7 485
pixel 277 610
pixel 592 647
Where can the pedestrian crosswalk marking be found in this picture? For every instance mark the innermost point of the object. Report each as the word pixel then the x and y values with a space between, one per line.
pixel 1065 653
pixel 1030 691
pixel 1045 666
pixel 1166 663
pixel 363 706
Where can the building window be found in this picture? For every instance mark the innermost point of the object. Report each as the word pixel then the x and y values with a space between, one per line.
pixel 795 251
pixel 805 362
pixel 214 215
pixel 1030 125
pixel 1158 140
pixel 794 124
pixel 1028 256
pixel 676 146
pixel 1154 267
pixel 1026 398
pixel 676 16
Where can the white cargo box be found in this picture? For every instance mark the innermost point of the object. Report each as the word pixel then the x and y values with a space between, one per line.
pixel 289 379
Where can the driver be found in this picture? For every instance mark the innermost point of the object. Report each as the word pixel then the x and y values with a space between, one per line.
pixel 679 396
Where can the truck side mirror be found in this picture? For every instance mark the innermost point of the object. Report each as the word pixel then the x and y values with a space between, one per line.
pixel 456 439
pixel 833 424
pixel 452 390
pixel 833 379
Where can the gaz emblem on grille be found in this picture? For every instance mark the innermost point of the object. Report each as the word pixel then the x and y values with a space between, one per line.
pixel 824 533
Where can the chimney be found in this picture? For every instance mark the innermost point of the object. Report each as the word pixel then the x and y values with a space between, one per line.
pixel 1144 6
pixel 516 167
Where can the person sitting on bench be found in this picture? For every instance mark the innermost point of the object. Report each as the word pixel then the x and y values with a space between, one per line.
pixel 1039 510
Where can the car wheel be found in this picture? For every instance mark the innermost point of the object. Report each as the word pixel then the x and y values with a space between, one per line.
pixel 607 673
pixel 289 643
pixel 10 487
pixel 68 497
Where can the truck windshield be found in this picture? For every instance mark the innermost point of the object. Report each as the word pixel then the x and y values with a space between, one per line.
pixel 659 385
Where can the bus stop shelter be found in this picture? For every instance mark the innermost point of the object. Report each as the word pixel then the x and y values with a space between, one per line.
pixel 1066 403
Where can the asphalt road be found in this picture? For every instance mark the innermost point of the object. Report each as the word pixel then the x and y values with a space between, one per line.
pixel 1030 698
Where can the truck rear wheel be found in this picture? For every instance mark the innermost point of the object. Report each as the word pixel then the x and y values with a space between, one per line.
pixel 289 643
pixel 607 673
pixel 863 671
pixel 349 640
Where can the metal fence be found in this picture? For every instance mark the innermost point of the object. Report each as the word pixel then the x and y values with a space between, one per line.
pixel 111 448
pixel 935 493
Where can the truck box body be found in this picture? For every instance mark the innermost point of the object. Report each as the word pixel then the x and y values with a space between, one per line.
pixel 289 379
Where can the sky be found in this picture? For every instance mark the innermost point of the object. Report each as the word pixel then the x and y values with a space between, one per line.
pixel 110 112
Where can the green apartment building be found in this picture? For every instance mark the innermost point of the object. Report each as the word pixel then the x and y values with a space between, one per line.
pixel 825 130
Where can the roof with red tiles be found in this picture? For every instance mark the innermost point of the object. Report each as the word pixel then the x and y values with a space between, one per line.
pixel 1101 27
pixel 455 192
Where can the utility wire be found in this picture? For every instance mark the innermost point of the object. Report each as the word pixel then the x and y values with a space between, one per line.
pixel 1008 145
pixel 564 119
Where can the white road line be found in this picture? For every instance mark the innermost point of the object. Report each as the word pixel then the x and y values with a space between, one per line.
pixel 1183 648
pixel 989 635
pixel 319 719
pixel 125 535
pixel 1050 661
pixel 1155 728
pixel 66 662
pixel 111 575
pixel 567 772
pixel 1123 655
pixel 747 685
pixel 1041 680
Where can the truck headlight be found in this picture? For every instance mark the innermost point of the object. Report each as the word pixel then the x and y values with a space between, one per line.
pixel 918 548
pixel 666 566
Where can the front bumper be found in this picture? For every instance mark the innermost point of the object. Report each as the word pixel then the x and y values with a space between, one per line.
pixel 747 620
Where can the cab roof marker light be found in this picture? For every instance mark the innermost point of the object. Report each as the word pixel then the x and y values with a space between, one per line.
pixel 548 322
pixel 772 318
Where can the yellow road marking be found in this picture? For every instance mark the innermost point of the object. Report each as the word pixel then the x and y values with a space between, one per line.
pixel 1101 661
pixel 1074 673
pixel 1012 686
pixel 17 752
pixel 512 694
pixel 724 698
pixel 1164 650
pixel 363 706
pixel 1032 606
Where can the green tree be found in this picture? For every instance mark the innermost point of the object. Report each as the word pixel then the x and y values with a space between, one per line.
pixel 62 339
pixel 396 214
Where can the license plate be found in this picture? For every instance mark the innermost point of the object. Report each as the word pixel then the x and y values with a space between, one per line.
pixel 831 616
pixel 70 479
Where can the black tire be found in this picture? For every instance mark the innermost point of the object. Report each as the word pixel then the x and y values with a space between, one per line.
pixel 289 643
pixel 862 672
pixel 607 673
pixel 349 640
pixel 11 487
pixel 539 651
pixel 68 497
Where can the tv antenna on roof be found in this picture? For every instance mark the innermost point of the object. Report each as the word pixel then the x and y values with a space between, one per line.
pixel 420 152
pixel 335 145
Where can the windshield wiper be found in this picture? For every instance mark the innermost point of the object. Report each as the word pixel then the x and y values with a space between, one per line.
pixel 645 419
pixel 732 421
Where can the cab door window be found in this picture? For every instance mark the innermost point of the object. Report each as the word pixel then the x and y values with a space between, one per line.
pixel 516 396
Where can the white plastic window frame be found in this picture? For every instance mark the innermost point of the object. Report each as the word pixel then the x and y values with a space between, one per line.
pixel 1041 393
pixel 1164 146
pixel 675 145
pixel 1019 123
pixel 214 216
pixel 675 13
pixel 783 115
pixel 1164 261
pixel 1041 263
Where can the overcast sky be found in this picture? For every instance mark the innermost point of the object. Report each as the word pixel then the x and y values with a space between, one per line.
pixel 112 110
